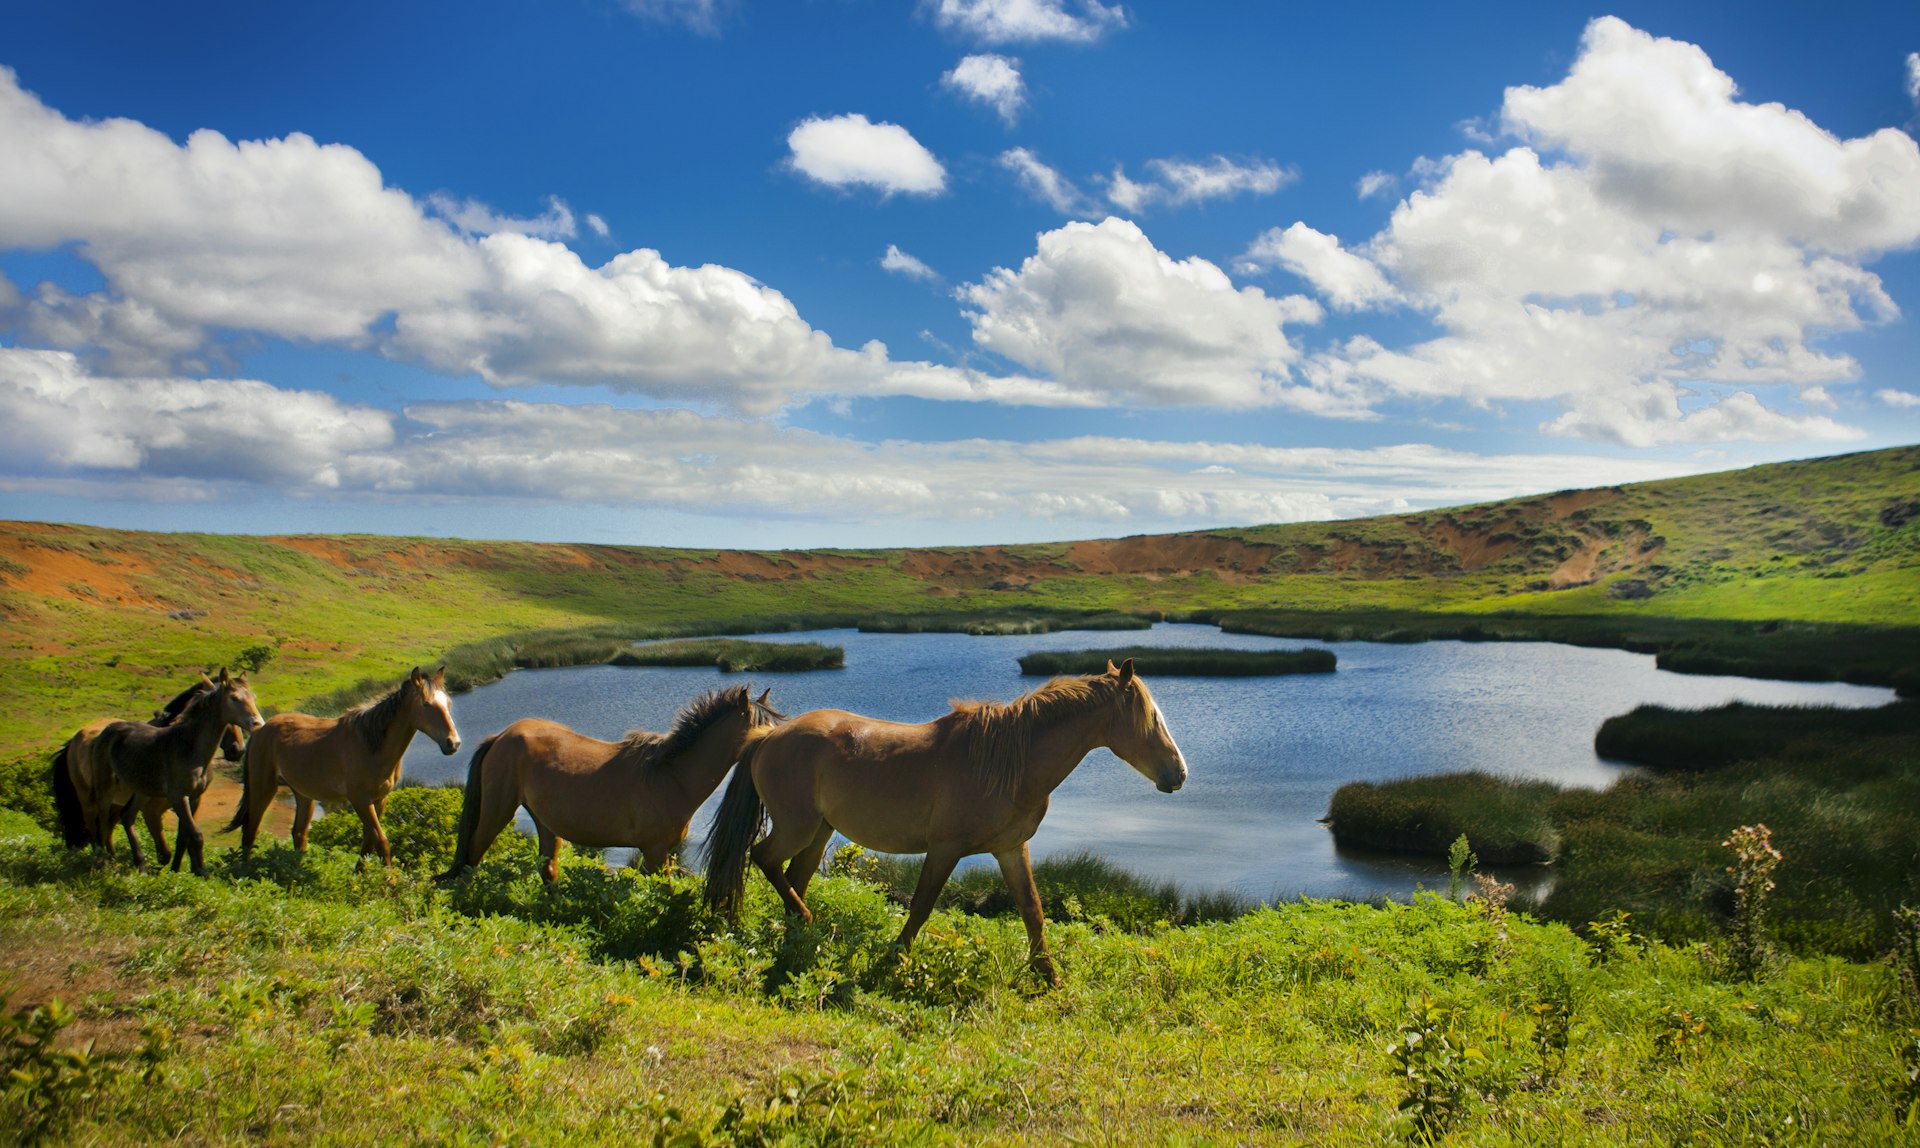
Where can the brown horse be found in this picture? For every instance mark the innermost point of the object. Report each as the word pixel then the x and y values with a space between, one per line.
pixel 82 780
pixel 172 762
pixel 974 781
pixel 640 792
pixel 350 762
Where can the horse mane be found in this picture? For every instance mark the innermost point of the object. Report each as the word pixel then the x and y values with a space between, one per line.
pixel 689 724
pixel 996 735
pixel 370 719
pixel 174 710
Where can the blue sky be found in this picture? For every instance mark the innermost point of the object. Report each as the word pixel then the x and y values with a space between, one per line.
pixel 845 273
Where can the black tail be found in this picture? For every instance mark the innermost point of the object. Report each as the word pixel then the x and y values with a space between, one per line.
pixel 246 790
pixel 733 830
pixel 66 800
pixel 469 812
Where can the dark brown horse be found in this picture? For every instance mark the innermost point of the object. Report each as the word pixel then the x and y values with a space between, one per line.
pixel 975 781
pixel 171 763
pixel 349 762
pixel 81 781
pixel 640 792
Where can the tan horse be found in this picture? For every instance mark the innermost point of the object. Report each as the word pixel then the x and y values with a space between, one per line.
pixel 974 781
pixel 83 780
pixel 349 762
pixel 639 792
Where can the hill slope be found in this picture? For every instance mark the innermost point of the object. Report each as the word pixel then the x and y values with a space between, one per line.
pixel 106 621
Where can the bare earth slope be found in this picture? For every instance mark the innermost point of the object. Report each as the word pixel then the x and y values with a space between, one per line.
pixel 104 622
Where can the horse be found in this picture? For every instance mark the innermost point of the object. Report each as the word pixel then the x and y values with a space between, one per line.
pixel 974 781
pixel 641 791
pixel 352 761
pixel 171 762
pixel 81 781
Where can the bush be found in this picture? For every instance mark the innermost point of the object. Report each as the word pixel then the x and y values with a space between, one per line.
pixel 420 824
pixel 25 786
pixel 1507 821
pixel 1160 661
pixel 735 655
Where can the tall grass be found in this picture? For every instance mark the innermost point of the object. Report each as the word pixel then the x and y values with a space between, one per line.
pixel 1080 886
pixel 735 655
pixel 1197 662
pixel 1661 738
pixel 1028 620
pixel 1506 821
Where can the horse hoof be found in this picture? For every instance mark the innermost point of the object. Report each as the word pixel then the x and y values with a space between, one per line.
pixel 1043 965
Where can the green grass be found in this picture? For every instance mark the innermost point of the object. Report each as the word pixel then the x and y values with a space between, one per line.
pixel 735 655
pixel 1839 789
pixel 1191 661
pixel 1034 620
pixel 307 1002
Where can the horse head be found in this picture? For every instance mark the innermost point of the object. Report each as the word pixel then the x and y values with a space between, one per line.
pixel 234 699
pixel 1139 734
pixel 432 710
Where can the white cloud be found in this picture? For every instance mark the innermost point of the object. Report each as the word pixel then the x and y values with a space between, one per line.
pixel 991 80
pixel 1913 77
pixel 598 225
pixel 1905 400
pixel 55 417
pixel 1659 235
pixel 1027 21
pixel 702 16
pixel 208 439
pixel 1179 182
pixel 901 263
pixel 1100 309
pixel 1045 183
pixel 476 218
pixel 1350 282
pixel 1376 184
pixel 850 150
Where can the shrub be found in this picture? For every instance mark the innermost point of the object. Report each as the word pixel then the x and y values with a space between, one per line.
pixel 1151 660
pixel 420 822
pixel 1508 821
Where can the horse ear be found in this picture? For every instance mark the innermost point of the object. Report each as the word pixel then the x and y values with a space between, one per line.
pixel 440 676
pixel 416 675
pixel 1110 668
pixel 762 699
pixel 1126 670
pixel 223 674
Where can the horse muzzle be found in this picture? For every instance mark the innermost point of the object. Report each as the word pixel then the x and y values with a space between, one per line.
pixel 450 746
pixel 1172 779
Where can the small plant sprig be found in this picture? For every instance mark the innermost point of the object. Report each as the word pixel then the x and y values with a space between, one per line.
pixel 1906 957
pixel 1612 936
pixel 42 1086
pixel 1434 1064
pixel 1754 860
pixel 1490 899
pixel 1461 861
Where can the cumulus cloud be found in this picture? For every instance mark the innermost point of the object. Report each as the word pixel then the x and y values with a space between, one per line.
pixel 61 429
pixel 901 263
pixel 990 80
pixel 853 151
pixel 1350 282
pixel 476 218
pixel 1099 308
pixel 1045 183
pixel 57 418
pixel 1650 235
pixel 1178 182
pixel 1906 400
pixel 1027 21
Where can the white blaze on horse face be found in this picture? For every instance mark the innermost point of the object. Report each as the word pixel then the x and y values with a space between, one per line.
pixel 1173 768
pixel 443 706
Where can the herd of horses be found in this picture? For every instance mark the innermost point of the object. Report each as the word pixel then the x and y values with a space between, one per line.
pixel 975 780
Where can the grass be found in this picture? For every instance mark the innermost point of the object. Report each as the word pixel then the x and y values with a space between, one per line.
pixel 1191 661
pixel 306 1001
pixel 735 655
pixel 1002 622
pixel 1840 790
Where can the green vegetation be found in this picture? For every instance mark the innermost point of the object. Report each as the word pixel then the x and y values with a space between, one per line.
pixel 735 655
pixel 1163 661
pixel 1795 569
pixel 307 1000
pixel 1839 789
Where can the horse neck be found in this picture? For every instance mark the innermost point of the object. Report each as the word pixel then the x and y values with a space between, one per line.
pixel 399 732
pixel 1057 742
pixel 696 773
pixel 200 730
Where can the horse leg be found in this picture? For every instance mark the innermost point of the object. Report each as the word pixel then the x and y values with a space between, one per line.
pixel 549 853
pixel 806 863
pixel 127 813
pixel 652 857
pixel 151 812
pixel 490 820
pixel 782 842
pixel 190 840
pixel 1016 868
pixel 934 871
pixel 371 834
pixel 302 818
pixel 263 781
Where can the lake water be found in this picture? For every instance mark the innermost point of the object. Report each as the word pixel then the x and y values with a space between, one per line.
pixel 1265 754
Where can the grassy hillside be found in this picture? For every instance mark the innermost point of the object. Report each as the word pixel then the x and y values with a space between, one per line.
pixel 106 622
pixel 324 1005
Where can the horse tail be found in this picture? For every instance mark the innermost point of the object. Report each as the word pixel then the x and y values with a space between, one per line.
pixel 66 799
pixel 733 830
pixel 469 811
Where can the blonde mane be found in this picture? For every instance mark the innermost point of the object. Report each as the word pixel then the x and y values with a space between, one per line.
pixel 997 734
pixel 694 719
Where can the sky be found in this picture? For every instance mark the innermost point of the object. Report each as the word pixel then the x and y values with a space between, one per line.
pixel 852 273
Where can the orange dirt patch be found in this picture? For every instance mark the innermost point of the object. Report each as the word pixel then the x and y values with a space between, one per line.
pixel 56 574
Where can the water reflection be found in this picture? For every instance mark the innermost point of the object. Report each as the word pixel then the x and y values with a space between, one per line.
pixel 1266 754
